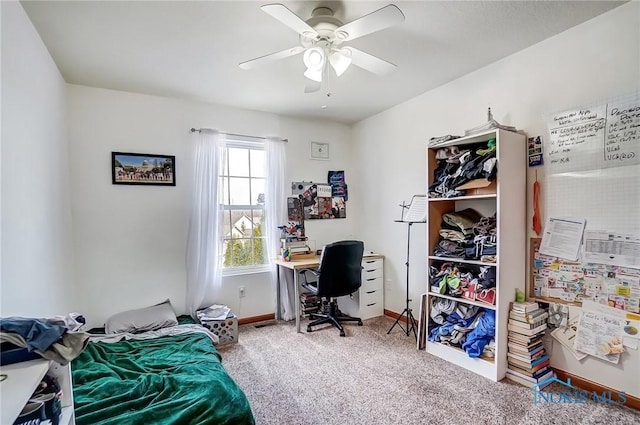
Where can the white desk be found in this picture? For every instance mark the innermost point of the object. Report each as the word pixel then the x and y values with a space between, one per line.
pixel 306 263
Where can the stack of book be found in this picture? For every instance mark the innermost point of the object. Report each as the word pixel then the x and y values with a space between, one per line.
pixel 309 303
pixel 295 246
pixel 527 359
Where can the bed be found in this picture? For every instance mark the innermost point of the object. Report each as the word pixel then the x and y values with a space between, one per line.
pixel 172 379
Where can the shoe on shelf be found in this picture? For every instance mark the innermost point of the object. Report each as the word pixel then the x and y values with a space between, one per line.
pixel 487 296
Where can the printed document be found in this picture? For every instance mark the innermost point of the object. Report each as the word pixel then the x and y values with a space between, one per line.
pixel 562 237
pixel 611 248
pixel 417 210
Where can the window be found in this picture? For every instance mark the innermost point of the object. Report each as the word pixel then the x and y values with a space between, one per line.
pixel 243 181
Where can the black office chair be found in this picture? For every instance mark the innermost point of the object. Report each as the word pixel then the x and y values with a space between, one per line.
pixel 339 274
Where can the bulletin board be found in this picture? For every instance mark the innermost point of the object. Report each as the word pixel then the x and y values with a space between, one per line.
pixel 557 280
pixel 323 200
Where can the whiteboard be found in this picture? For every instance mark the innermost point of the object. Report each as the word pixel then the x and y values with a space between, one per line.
pixel 592 172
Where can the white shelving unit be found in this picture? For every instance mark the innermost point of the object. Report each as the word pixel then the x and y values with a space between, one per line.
pixel 368 301
pixel 22 380
pixel 508 200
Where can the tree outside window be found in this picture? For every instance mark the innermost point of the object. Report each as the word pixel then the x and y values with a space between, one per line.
pixel 243 180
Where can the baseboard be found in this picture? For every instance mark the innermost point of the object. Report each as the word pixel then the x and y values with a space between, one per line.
pixel 255 319
pixel 395 315
pixel 272 316
pixel 585 384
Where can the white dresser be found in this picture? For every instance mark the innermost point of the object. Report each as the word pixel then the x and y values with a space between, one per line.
pixel 368 301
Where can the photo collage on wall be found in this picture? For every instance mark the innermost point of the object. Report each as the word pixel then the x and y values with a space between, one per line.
pixel 319 200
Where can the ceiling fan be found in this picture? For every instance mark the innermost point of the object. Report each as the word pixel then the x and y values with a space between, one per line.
pixel 321 39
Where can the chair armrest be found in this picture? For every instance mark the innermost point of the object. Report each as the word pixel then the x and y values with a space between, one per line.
pixel 306 284
pixel 312 271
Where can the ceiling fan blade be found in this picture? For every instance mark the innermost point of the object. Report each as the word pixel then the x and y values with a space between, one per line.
pixel 312 86
pixel 271 57
pixel 369 62
pixel 290 19
pixel 375 21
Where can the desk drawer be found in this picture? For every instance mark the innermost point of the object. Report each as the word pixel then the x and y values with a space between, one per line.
pixel 370 296
pixel 371 283
pixel 372 309
pixel 371 269
pixel 372 264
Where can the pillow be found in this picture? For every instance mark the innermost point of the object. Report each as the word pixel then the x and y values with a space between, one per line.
pixel 143 319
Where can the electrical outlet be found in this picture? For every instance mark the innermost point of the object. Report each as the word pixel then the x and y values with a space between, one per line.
pixel 241 291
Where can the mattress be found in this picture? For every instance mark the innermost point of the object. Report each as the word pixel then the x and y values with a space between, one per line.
pixel 176 379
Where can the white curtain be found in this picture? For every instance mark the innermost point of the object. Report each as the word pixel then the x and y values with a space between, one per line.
pixel 204 240
pixel 276 215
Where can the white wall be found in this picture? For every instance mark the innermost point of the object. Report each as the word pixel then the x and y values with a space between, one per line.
pixel 37 251
pixel 130 240
pixel 596 60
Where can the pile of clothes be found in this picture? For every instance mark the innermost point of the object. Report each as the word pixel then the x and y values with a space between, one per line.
pixel 55 338
pixel 467 235
pixel 459 165
pixel 468 327
pixel 464 280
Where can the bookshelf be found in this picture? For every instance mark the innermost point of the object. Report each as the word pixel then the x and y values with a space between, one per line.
pixel 502 198
pixel 23 379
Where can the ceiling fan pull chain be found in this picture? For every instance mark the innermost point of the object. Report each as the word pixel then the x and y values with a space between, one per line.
pixel 326 79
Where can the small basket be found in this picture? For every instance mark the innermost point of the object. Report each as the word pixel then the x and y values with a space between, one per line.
pixel 226 330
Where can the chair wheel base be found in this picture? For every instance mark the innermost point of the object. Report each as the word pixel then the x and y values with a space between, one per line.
pixel 309 329
pixel 342 333
pixel 360 323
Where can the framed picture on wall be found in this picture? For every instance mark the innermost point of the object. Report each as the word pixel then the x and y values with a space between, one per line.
pixel 143 169
pixel 319 150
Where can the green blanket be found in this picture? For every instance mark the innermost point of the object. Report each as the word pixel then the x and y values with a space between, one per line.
pixel 168 380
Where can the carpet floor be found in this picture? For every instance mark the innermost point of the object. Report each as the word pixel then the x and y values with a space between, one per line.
pixel 372 378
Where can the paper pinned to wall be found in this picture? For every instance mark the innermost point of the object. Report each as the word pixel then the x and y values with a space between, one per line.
pixel 630 322
pixel 566 336
pixel 562 237
pixel 617 249
pixel 600 336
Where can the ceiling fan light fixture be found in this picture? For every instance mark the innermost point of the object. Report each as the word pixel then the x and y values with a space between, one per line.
pixel 314 58
pixel 340 61
pixel 314 74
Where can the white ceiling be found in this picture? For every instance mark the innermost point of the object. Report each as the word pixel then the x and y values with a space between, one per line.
pixel 191 49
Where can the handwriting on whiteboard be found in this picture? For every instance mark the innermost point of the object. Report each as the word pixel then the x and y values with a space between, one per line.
pixel 601 136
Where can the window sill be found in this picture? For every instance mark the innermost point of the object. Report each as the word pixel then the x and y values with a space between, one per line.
pixel 238 271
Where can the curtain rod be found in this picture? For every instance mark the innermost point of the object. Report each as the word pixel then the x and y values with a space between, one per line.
pixel 193 130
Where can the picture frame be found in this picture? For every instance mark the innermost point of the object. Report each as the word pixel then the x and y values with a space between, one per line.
pixel 143 169
pixel 320 151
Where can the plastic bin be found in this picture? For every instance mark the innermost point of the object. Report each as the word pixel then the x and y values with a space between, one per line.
pixel 227 330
